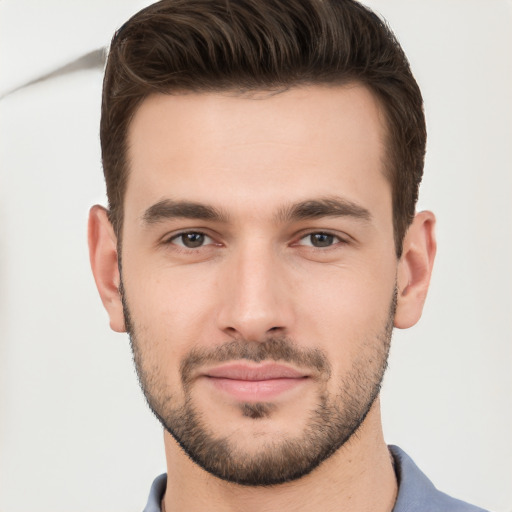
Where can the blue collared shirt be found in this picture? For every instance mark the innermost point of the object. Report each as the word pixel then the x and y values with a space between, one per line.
pixel 416 493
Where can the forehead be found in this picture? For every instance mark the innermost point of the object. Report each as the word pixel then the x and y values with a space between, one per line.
pixel 237 149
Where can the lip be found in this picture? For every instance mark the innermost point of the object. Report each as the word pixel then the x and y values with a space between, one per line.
pixel 266 371
pixel 255 383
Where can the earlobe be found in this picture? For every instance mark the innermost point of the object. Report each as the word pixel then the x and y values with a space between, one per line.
pixel 104 263
pixel 415 269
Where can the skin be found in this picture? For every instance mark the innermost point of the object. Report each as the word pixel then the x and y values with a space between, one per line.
pixel 252 158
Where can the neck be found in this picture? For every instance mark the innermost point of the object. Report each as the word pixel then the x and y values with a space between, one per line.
pixel 359 477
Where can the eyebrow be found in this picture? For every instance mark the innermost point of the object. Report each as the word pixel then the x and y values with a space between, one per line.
pixel 310 209
pixel 323 207
pixel 168 209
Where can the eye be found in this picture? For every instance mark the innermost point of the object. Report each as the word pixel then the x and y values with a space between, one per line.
pixel 319 240
pixel 191 239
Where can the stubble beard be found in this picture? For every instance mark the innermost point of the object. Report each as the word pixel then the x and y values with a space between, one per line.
pixel 334 420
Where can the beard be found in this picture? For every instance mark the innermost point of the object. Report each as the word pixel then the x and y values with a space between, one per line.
pixel 334 420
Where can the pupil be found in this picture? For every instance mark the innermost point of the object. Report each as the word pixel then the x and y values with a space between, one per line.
pixel 193 239
pixel 322 239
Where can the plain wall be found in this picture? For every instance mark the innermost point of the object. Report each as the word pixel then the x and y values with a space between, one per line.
pixel 75 433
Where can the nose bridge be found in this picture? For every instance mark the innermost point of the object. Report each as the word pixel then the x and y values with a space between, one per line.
pixel 254 299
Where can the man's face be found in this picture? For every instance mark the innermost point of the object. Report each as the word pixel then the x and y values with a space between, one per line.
pixel 259 273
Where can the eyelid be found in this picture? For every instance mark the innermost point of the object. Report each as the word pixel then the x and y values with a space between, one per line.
pixel 207 239
pixel 341 239
pixel 170 239
pixel 211 239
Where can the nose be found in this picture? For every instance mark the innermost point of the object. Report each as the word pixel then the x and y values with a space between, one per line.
pixel 255 298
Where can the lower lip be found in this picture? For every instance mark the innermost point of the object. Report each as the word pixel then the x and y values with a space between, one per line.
pixel 256 390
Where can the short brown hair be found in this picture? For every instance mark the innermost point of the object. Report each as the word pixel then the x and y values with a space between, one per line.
pixel 247 45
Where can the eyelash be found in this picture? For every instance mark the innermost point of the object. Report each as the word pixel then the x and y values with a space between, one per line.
pixel 338 240
pixel 183 247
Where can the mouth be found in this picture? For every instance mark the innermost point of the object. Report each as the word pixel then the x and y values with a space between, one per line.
pixel 255 383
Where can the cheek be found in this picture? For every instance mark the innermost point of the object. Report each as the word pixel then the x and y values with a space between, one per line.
pixel 345 311
pixel 346 294
pixel 172 306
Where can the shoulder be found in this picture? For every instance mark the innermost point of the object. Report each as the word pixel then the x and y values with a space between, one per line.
pixel 156 493
pixel 416 493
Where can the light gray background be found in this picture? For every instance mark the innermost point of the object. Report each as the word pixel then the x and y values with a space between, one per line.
pixel 75 433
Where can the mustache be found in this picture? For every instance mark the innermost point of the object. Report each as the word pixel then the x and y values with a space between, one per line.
pixel 272 349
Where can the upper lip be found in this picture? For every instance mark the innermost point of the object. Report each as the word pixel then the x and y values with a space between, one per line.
pixel 243 371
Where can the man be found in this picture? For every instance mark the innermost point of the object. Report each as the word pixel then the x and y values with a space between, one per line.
pixel 262 161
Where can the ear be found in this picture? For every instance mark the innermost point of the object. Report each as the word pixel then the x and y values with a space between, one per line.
pixel 415 269
pixel 104 263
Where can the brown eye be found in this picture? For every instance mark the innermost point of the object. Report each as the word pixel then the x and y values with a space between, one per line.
pixel 321 239
pixel 191 240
